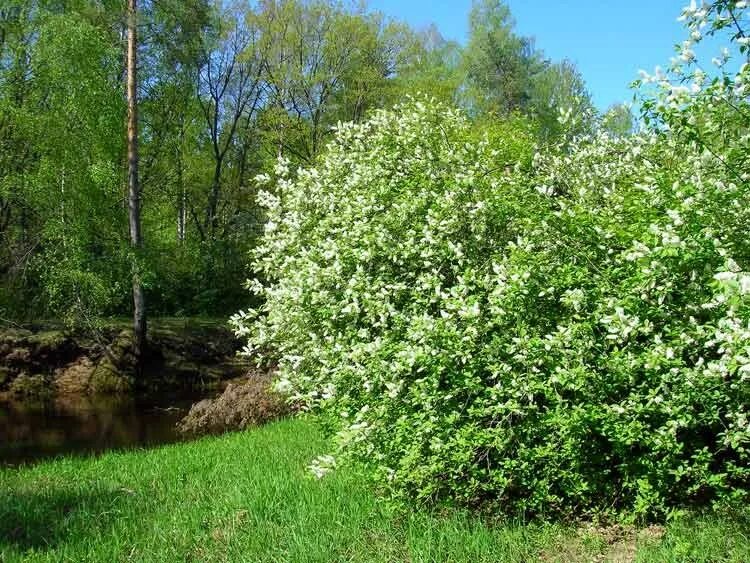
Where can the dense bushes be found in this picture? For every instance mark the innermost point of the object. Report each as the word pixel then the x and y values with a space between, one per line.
pixel 571 336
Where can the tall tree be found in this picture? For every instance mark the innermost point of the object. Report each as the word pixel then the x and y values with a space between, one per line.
pixel 432 66
pixel 559 101
pixel 618 120
pixel 229 92
pixel 325 63
pixel 224 87
pixel 134 195
pixel 499 64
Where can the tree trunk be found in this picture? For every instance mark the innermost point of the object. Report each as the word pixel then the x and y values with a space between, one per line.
pixel 182 203
pixel 134 195
pixel 182 210
pixel 212 220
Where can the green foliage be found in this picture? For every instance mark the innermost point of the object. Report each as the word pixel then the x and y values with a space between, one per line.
pixel 503 73
pixel 225 88
pixel 500 65
pixel 433 66
pixel 560 103
pixel 74 179
pixel 569 336
pixel 618 120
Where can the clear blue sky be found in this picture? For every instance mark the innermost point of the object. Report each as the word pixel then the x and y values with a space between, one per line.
pixel 609 40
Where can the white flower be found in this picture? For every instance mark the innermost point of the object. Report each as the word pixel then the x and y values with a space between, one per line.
pixel 262 179
pixel 744 284
pixel 322 465
pixel 283 386
pixel 281 168
pixel 675 217
pixel 573 298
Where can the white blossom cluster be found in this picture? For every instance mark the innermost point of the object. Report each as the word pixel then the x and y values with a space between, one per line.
pixel 570 335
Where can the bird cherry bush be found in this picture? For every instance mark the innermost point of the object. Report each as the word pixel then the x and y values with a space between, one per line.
pixel 539 334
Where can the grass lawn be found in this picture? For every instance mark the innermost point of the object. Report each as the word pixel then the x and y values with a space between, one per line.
pixel 248 497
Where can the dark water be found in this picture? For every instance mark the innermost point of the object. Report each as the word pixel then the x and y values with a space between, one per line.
pixel 85 425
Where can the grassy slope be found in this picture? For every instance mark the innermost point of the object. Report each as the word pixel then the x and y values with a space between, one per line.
pixel 247 497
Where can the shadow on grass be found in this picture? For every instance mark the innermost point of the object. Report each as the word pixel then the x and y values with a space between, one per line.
pixel 30 520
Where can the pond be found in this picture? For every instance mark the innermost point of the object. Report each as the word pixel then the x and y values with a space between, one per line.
pixel 85 425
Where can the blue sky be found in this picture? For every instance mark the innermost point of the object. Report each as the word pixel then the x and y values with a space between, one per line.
pixel 609 40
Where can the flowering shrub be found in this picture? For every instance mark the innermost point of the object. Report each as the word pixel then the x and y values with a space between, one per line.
pixel 571 335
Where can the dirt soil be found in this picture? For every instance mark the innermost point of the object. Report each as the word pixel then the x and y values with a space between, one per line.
pixel 604 544
pixel 45 359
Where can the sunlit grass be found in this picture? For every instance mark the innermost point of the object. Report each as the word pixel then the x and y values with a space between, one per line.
pixel 248 497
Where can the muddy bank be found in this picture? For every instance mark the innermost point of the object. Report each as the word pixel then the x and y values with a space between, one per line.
pixel 46 361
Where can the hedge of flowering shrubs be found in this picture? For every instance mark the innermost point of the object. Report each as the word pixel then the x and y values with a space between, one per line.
pixel 537 333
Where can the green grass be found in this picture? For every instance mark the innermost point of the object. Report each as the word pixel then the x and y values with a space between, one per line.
pixel 248 497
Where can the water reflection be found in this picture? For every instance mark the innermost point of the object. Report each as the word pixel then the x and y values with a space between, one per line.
pixel 34 430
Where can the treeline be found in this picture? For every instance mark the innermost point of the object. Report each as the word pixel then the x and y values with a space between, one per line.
pixel 225 89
